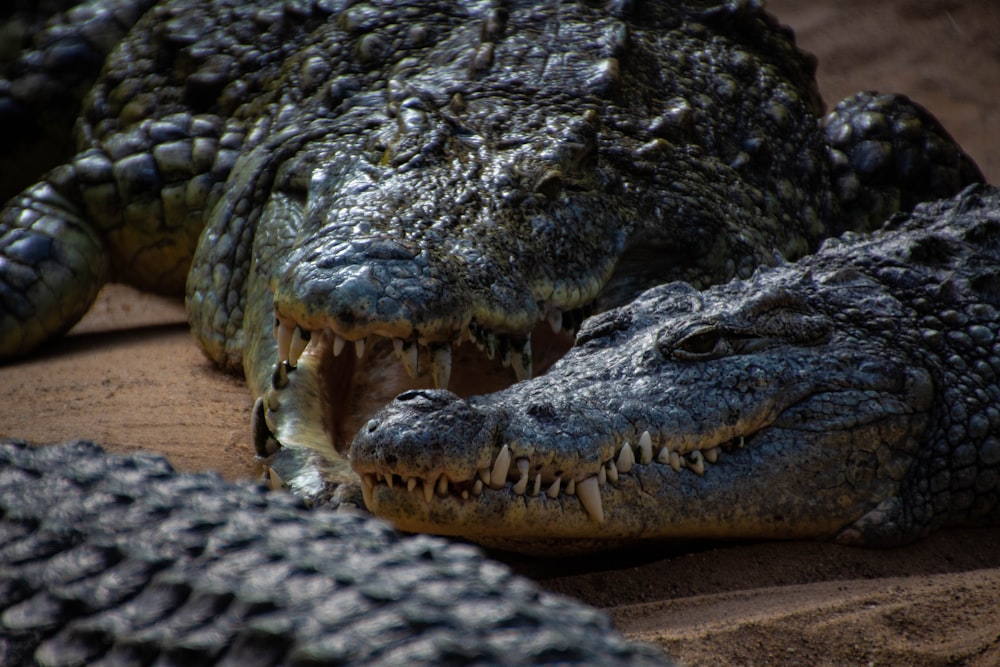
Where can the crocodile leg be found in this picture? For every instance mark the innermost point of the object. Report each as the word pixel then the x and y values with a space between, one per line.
pixel 888 154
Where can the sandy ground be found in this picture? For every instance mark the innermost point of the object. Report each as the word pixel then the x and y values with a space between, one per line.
pixel 130 377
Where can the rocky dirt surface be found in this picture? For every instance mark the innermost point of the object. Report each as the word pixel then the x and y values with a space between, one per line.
pixel 129 376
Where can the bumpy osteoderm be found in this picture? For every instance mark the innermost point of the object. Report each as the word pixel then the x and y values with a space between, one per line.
pixel 851 395
pixel 120 560
pixel 364 200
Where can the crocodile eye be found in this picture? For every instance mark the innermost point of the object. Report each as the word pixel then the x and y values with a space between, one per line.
pixel 704 344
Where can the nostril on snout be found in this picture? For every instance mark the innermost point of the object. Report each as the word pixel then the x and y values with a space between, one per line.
pixel 372 425
pixel 411 395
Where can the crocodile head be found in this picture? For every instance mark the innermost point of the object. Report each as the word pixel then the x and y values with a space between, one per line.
pixel 780 407
pixel 444 209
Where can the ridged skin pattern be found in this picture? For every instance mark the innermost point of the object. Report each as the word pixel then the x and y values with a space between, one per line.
pixel 119 560
pixel 852 395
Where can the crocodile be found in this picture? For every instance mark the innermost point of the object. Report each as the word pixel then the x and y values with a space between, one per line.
pixel 852 395
pixel 345 191
pixel 120 560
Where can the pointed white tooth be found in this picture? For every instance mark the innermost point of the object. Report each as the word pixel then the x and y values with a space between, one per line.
pixel 388 480
pixel 645 448
pixel 338 345
pixel 442 485
pixel 571 487
pixel 409 358
pixel 521 486
pixel 441 365
pixel 664 456
pixel 536 488
pixel 397 347
pixel 477 487
pixel 274 481
pixel 300 339
pixel 712 455
pixel 589 494
pixel 429 489
pixel 742 442
pixel 498 475
pixel 553 490
pixel 359 347
pixel 521 361
pixel 626 459
pixel 612 472
pixel 602 476
pixel 676 462
pixel 523 465
pixel 411 484
pixel 696 462
pixel 285 333
pixel 367 484
pixel 484 474
pixel 555 320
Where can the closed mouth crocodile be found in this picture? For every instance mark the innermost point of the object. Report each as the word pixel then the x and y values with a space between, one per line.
pixel 364 200
pixel 851 395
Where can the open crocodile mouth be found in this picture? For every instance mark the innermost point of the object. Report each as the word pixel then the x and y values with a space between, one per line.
pixel 510 475
pixel 324 387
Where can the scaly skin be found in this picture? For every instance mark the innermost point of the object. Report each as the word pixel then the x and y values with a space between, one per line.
pixel 852 395
pixel 121 561
pixel 403 175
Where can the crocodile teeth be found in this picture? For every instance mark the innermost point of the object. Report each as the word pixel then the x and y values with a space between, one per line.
pixel 664 456
pixel 553 490
pixel 338 345
pixel 571 487
pixel 411 484
pixel 675 461
pixel 441 365
pixel 409 358
pixel 590 496
pixel 626 459
pixel 523 466
pixel 555 320
pixel 612 472
pixel 367 484
pixel 442 485
pixel 712 455
pixel 645 448
pixel 498 475
pixel 300 339
pixel 429 489
pixel 284 334
pixel 602 476
pixel 536 488
pixel 477 488
pixel 397 347
pixel 696 462
pixel 359 347
pixel 275 483
pixel 521 361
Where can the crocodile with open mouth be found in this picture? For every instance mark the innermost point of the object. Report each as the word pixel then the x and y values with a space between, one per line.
pixel 852 395
pixel 357 196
